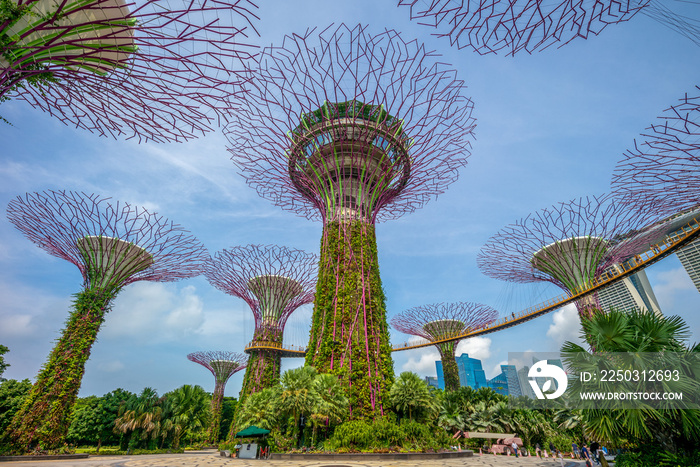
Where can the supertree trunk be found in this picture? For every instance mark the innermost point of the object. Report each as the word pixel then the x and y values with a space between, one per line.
pixel 264 365
pixel 216 404
pixel 450 371
pixel 44 417
pixel 349 335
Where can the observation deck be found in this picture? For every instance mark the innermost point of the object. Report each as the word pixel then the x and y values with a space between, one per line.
pixel 290 351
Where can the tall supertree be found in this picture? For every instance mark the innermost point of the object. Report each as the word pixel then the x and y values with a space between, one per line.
pixel 274 281
pixel 665 166
pixel 351 128
pixel 223 365
pixel 113 244
pixel 512 26
pixel 161 70
pixel 569 244
pixel 440 321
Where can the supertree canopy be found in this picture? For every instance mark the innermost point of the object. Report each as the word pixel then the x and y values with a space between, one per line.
pixel 665 167
pixel 351 128
pixel 512 26
pixel 223 365
pixel 113 244
pixel 441 321
pixel 274 281
pixel 161 70
pixel 569 244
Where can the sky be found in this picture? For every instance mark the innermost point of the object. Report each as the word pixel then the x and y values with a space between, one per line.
pixel 550 127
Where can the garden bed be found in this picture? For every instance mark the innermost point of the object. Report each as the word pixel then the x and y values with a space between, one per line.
pixel 372 456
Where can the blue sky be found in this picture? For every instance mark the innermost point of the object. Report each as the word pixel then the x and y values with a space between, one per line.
pixel 550 127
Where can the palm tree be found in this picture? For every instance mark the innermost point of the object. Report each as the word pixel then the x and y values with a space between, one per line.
pixel 188 409
pixel 260 409
pixel 298 396
pixel 410 395
pixel 638 331
pixel 144 416
pixel 331 403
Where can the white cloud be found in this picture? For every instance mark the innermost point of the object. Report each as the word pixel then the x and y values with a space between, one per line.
pixel 668 285
pixel 425 365
pixel 156 312
pixel 476 347
pixel 16 326
pixel 566 326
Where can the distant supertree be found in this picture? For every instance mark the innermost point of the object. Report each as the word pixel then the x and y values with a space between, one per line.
pixel 665 167
pixel 569 244
pixel 351 128
pixel 441 321
pixel 223 365
pixel 512 26
pixel 274 281
pixel 161 70
pixel 113 244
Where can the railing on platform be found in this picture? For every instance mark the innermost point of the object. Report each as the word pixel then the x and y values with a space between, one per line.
pixel 635 264
pixel 262 345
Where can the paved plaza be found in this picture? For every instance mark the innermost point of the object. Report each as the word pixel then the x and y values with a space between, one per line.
pixel 212 459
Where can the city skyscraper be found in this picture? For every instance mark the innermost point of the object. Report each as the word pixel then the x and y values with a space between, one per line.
pixel 632 292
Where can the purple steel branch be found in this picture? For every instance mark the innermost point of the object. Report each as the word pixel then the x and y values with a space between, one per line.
pixel 168 70
pixel 222 364
pixel 341 64
pixel 512 26
pixel 466 316
pixel 665 167
pixel 57 220
pixel 509 254
pixel 232 271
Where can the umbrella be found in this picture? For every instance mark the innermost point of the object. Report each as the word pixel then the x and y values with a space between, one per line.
pixel 251 432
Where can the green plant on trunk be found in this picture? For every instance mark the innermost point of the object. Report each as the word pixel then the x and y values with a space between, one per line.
pixel 349 333
pixel 44 418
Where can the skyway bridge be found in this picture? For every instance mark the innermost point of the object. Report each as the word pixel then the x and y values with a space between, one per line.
pixel 659 251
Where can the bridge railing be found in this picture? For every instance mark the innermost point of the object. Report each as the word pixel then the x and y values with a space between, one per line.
pixel 637 263
pixel 274 345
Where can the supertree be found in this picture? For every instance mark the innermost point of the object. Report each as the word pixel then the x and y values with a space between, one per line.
pixel 223 365
pixel 351 128
pixel 569 244
pixel 440 321
pixel 274 281
pixel 512 26
pixel 113 244
pixel 161 70
pixel 665 167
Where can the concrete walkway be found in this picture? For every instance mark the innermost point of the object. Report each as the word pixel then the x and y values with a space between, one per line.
pixel 213 459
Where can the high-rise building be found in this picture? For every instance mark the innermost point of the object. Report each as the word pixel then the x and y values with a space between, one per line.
pixel 632 292
pixel 690 259
pixel 513 381
pixel 432 381
pixel 523 379
pixel 470 370
pixel 499 383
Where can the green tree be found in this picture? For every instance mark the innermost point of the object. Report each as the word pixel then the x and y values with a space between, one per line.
pixel 330 403
pixel 260 409
pixel 12 392
pixel 638 331
pixel 410 396
pixel 229 406
pixel 140 418
pixel 187 411
pixel 93 418
pixel 3 364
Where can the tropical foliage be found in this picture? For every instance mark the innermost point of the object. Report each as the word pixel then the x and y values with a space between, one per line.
pixel 673 430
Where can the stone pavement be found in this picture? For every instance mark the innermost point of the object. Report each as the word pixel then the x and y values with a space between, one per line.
pixel 213 459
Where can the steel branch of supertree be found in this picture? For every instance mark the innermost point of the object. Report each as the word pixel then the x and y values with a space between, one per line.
pixel 664 167
pixel 223 365
pixel 441 321
pixel 113 244
pixel 570 244
pixel 513 26
pixel 351 128
pixel 274 281
pixel 378 93
pixel 160 70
